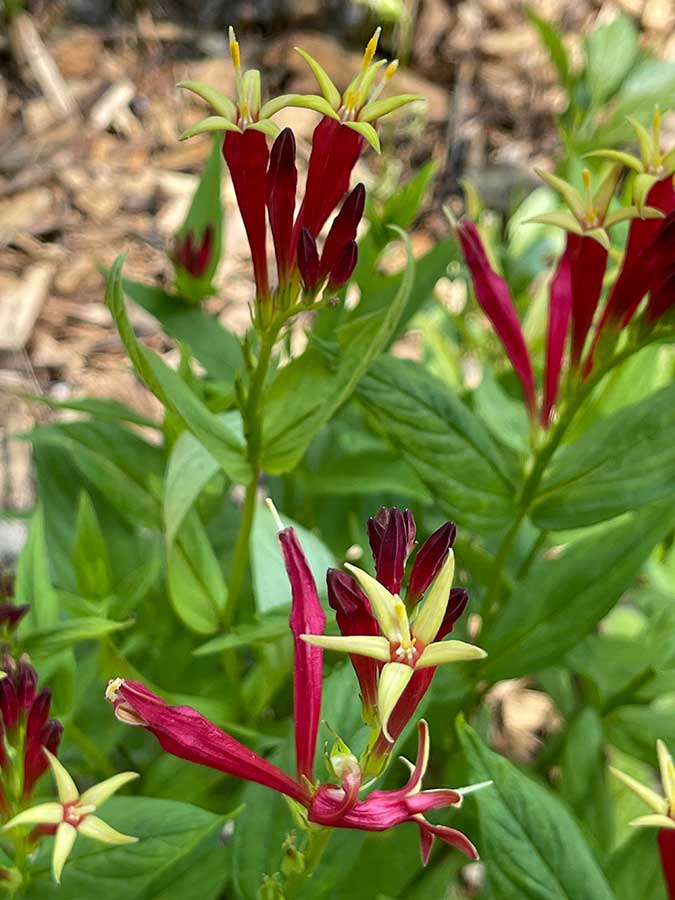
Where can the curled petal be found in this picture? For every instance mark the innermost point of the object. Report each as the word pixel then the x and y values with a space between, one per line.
pixel 394 679
pixel 448 652
pixel 450 836
pixel 428 800
pixel 99 793
pixel 430 617
pixel 63 843
pixel 93 827
pixel 362 645
pixel 42 814
pixel 307 618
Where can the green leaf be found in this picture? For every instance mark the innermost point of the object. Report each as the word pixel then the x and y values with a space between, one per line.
pixel 188 471
pixel 45 642
pixel 553 43
pixel 179 857
pixel 364 473
pixel 98 408
pixel 561 600
pixel 90 554
pixel 206 211
pixel 215 347
pixel 269 629
pixel 116 461
pixel 621 463
pixel 196 585
pixel 634 869
pixel 222 440
pixel 635 729
pixel 270 582
pixel 305 394
pixel 532 846
pixel 610 53
pixel 33 581
pixel 446 444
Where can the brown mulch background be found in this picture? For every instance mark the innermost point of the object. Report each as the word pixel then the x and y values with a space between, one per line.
pixel 98 170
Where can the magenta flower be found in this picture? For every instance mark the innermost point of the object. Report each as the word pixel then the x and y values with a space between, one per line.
pixel 494 298
pixel 187 734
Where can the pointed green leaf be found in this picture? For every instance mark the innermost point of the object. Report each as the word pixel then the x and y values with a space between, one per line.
pixel 328 89
pixel 208 125
pixel 222 104
pixel 379 108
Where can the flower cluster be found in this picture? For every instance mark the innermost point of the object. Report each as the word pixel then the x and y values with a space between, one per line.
pixel 395 646
pixel 265 182
pixel 648 268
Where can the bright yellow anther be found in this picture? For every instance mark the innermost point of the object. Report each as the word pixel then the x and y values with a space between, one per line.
pixel 371 49
pixel 234 50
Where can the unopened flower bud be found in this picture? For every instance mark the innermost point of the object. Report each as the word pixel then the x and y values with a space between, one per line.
pixel 282 178
pixel 271 889
pixel 344 267
pixel 343 229
pixel 26 683
pixel 292 861
pixel 429 559
pixel 9 703
pixel 308 260
pixel 11 615
pixel 38 714
pixel 392 535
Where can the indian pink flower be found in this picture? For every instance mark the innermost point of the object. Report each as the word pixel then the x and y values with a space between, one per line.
pixel 663 811
pixel 187 734
pixel 194 254
pixel 73 815
pixel 405 646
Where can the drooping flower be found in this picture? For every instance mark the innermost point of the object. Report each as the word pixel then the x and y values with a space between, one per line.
pixel 187 734
pixel 404 646
pixel 73 814
pixel 663 806
pixel 494 297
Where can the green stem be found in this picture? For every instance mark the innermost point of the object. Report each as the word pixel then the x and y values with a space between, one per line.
pixel 241 553
pixel 317 841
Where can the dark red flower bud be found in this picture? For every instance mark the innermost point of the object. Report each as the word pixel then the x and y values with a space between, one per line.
pixel 429 560
pixel 392 535
pixel 345 265
pixel 459 599
pixel 193 257
pixel 246 155
pixel 35 762
pixel 11 615
pixel 39 714
pixel 354 616
pixel 308 260
pixel 26 683
pixel 343 229
pixel 282 179
pixel 9 703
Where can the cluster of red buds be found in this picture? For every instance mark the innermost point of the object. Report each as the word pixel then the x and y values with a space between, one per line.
pixel 395 645
pixel 647 269
pixel 265 182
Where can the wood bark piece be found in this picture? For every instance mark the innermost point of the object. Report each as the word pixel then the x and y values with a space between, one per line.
pixel 32 53
pixel 21 300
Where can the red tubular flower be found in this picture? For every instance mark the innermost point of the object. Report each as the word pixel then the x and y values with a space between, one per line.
pixel 354 616
pixel 35 762
pixel 343 268
pixel 493 295
pixel 666 839
pixel 306 617
pixel 343 230
pixel 192 255
pixel 335 150
pixel 391 534
pixel 26 683
pixel 282 179
pixel 246 155
pixel 559 314
pixel 385 809
pixel 187 734
pixel 588 264
pixel 429 559
pixel 308 260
